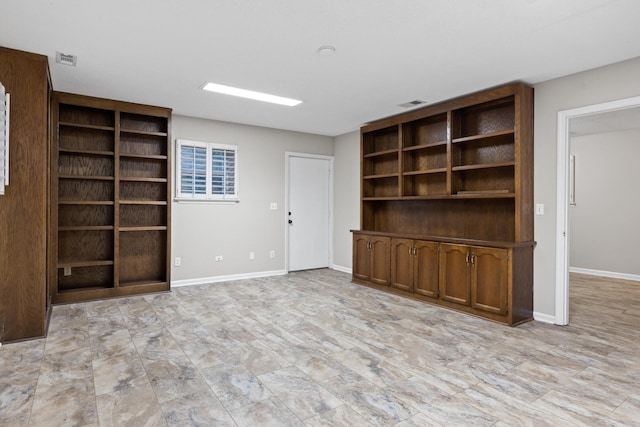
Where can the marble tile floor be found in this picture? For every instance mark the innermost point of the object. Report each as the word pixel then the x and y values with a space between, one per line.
pixel 313 349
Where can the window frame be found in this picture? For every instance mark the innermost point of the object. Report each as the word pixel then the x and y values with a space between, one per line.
pixel 208 196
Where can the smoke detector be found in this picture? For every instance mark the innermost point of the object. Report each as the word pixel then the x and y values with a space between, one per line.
pixel 66 59
pixel 326 50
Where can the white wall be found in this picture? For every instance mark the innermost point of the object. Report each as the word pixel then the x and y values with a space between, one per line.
pixel 200 231
pixel 346 197
pixel 604 223
pixel 616 81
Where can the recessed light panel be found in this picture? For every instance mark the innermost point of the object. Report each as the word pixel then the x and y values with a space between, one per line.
pixel 244 93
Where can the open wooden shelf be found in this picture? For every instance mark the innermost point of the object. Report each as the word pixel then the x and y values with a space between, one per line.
pixel 93 263
pixel 381 176
pixel 86 152
pixel 381 153
pixel 426 171
pixel 144 156
pixel 143 132
pixel 87 177
pixel 142 179
pixel 483 166
pixel 85 202
pixel 86 126
pixel 492 135
pixel 85 227
pixel 143 228
pixel 143 202
pixel 425 146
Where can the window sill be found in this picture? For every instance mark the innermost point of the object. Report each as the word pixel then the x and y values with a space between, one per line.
pixel 207 201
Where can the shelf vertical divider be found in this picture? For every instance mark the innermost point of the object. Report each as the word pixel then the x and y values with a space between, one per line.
pixel 400 160
pixel 449 153
pixel 116 199
pixel 168 205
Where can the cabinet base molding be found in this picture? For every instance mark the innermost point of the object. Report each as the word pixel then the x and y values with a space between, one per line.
pixel 443 304
pixel 90 294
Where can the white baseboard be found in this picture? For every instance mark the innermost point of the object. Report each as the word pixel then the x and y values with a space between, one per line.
pixel 228 278
pixel 341 268
pixel 612 274
pixel 545 318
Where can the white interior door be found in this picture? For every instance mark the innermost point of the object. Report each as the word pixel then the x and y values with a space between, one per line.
pixel 309 212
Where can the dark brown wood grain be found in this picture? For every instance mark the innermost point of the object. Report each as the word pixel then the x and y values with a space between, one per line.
pixel 23 207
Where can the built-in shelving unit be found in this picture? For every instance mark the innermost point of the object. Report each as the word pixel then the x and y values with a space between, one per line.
pixel 459 172
pixel 109 198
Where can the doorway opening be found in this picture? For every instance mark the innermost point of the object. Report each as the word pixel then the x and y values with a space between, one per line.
pixel 563 195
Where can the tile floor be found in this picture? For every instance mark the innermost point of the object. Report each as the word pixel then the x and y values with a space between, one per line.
pixel 312 349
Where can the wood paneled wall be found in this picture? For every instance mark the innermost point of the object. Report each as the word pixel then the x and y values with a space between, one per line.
pixel 23 208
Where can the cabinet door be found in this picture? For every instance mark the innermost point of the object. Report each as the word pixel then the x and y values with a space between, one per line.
pixel 454 273
pixel 425 268
pixel 361 257
pixel 380 260
pixel 489 279
pixel 402 264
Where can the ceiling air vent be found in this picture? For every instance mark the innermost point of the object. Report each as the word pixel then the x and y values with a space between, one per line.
pixel 65 59
pixel 413 103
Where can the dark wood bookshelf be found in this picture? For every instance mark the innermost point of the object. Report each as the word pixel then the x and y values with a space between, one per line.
pixel 447 204
pixel 109 198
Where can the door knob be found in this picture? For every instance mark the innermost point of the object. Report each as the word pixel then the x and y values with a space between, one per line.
pixel 290 222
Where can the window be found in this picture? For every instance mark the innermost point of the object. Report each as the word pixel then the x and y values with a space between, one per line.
pixel 206 171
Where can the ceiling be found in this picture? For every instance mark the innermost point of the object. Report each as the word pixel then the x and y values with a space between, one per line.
pixel 161 52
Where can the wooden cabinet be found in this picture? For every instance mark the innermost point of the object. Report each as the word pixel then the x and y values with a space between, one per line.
pixel 402 263
pixel 475 276
pixel 110 198
pixel 24 296
pixel 458 174
pixel 414 266
pixel 371 258
pixel 455 274
pixel 490 279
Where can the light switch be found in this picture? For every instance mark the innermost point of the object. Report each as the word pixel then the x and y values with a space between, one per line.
pixel 539 208
pixel 273 206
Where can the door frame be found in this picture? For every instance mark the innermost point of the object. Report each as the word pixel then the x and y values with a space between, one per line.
pixel 287 157
pixel 562 196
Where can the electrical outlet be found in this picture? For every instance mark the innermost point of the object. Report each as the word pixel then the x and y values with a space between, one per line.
pixel 67 271
pixel 218 258
pixel 252 255
pixel 272 254
pixel 177 262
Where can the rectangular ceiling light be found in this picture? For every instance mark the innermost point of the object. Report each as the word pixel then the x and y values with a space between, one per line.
pixel 243 93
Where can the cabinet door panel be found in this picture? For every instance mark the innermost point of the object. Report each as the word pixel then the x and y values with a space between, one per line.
pixel 489 280
pixel 454 274
pixel 425 268
pixel 361 257
pixel 402 264
pixel 380 260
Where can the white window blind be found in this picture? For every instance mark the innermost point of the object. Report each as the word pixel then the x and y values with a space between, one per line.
pixel 206 171
pixel 4 138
